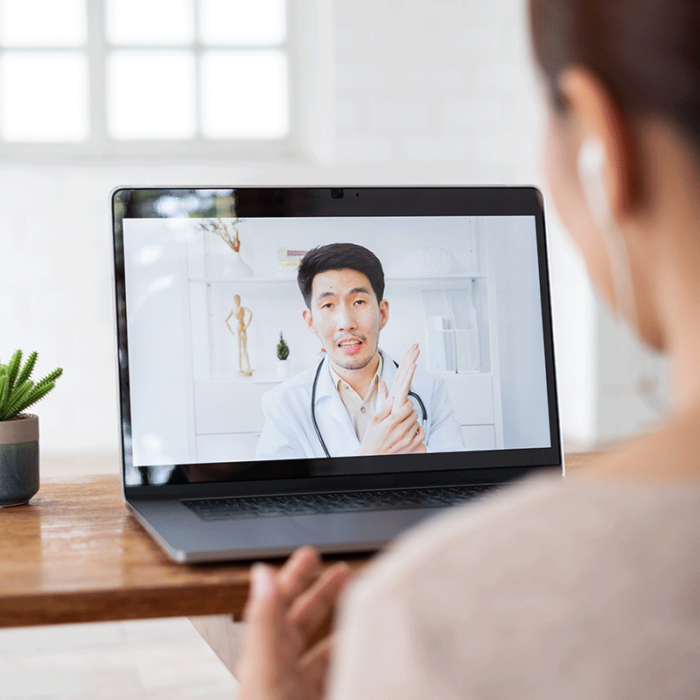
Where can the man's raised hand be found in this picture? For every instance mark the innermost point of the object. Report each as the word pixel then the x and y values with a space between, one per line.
pixel 404 376
pixel 395 427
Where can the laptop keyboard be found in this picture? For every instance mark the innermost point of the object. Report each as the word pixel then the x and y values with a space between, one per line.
pixel 346 502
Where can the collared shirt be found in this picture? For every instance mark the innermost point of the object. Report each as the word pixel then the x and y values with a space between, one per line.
pixel 289 431
pixel 361 411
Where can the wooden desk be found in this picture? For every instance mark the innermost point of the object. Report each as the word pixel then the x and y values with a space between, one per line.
pixel 74 554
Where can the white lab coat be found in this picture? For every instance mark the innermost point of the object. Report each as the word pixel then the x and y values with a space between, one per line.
pixel 289 432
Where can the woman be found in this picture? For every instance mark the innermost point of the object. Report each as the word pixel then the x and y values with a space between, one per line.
pixel 588 587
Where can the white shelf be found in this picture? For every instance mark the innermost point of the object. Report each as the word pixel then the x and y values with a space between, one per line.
pixel 256 378
pixel 438 278
pixel 270 378
pixel 244 280
pixel 286 280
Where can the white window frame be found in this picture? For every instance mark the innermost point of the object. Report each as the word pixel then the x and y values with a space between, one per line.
pixel 309 84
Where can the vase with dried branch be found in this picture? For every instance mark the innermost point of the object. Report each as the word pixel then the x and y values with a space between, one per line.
pixel 227 231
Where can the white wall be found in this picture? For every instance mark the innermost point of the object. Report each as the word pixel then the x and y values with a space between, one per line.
pixel 521 350
pixel 411 92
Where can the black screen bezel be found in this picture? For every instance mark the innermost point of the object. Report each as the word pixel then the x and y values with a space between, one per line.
pixel 312 474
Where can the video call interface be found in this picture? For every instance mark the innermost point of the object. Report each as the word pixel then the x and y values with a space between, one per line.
pixel 234 375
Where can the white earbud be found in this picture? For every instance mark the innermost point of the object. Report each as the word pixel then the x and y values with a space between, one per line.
pixel 590 162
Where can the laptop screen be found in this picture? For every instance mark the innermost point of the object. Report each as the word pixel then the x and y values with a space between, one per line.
pixel 262 332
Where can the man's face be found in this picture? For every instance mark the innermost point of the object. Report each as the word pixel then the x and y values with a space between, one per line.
pixel 346 316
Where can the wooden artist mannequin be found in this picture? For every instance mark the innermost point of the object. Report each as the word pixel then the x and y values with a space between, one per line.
pixel 241 333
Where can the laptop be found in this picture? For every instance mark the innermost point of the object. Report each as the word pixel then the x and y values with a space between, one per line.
pixel 327 366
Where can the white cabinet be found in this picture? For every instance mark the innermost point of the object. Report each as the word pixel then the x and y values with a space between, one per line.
pixel 472 398
pixel 229 416
pixel 238 447
pixel 479 437
pixel 229 407
pixel 228 419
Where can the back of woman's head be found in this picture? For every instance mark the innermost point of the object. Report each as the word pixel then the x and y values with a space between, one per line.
pixel 645 52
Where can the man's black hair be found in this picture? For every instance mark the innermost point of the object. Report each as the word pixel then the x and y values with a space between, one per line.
pixel 340 256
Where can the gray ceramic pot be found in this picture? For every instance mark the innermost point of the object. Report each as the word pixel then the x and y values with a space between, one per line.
pixel 19 459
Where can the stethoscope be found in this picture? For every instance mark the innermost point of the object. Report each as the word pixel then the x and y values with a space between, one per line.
pixel 313 407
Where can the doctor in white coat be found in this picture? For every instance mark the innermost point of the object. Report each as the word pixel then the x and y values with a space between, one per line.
pixel 357 401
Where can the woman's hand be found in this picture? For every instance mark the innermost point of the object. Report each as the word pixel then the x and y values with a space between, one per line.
pixel 284 613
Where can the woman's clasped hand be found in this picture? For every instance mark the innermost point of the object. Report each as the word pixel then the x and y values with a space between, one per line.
pixel 286 648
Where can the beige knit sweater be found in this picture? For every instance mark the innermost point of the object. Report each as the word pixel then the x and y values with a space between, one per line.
pixel 553 589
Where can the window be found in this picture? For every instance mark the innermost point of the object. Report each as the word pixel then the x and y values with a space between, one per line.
pixel 130 76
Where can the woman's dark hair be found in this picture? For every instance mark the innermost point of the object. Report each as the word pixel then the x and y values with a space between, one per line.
pixel 645 52
pixel 340 256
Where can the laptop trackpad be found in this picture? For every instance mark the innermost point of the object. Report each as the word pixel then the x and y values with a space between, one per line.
pixel 359 531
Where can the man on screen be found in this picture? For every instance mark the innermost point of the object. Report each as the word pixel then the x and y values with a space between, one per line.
pixel 357 401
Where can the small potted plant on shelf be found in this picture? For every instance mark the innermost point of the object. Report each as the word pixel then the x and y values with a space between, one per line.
pixel 282 355
pixel 19 432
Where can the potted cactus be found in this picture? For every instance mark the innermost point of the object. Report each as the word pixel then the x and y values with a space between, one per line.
pixel 19 432
pixel 282 355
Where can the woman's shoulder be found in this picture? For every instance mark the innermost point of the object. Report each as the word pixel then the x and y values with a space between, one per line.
pixel 573 587
pixel 543 527
pixel 641 491
pixel 416 552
